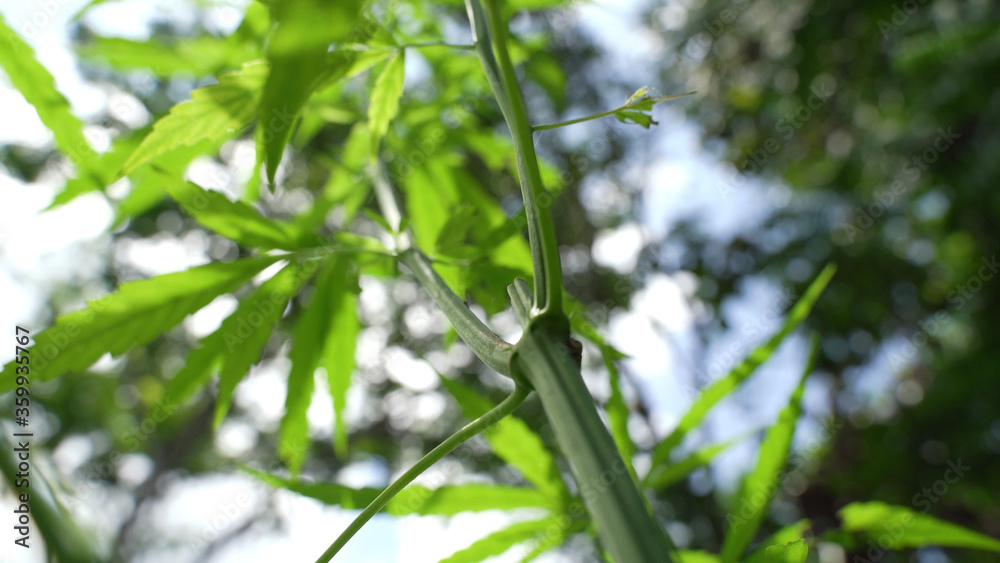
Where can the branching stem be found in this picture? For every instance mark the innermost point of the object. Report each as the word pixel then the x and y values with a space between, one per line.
pixel 493 350
pixel 489 35
pixel 497 413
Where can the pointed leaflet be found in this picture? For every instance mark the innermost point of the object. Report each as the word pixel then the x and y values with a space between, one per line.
pixel 475 497
pixel 555 537
pixel 213 112
pixel 147 183
pixel 617 410
pixel 667 475
pixel 903 528
pixel 38 88
pixel 761 484
pixel 499 542
pixel 246 342
pixel 385 99
pixel 785 535
pixel 201 362
pixel 318 324
pixel 638 104
pixel 338 354
pixel 327 493
pixel 348 184
pixel 792 552
pixel 136 314
pixel 297 55
pixel 198 56
pixel 216 347
pixel 514 442
pixel 415 499
pixel 232 219
pixel 718 390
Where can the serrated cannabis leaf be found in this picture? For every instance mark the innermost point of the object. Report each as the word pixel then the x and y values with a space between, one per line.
pixel 899 527
pixel 471 497
pixel 719 389
pixel 327 493
pixel 134 315
pixel 785 535
pixel 299 63
pixel 39 89
pixel 792 552
pixel 317 339
pixel 198 56
pixel 638 104
pixel 499 542
pixel 244 346
pixel 213 112
pixel 666 475
pixel 338 352
pixel 385 99
pixel 234 332
pixel 308 25
pixel 760 486
pixel 617 410
pixel 232 219
pixel 447 500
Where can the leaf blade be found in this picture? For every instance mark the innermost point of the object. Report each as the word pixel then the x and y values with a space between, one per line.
pixel 669 474
pixel 232 219
pixel 904 528
pixel 244 347
pixel 722 387
pixel 385 99
pixel 499 542
pixel 792 552
pixel 314 330
pixel 38 87
pixel 764 477
pixel 134 315
pixel 213 113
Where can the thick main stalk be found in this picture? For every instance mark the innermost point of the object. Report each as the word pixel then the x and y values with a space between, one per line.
pixel 542 357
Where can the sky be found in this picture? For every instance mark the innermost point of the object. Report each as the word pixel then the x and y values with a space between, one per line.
pixel 679 179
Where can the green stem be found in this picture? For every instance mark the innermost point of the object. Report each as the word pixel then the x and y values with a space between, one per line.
pixel 624 525
pixel 489 35
pixel 575 121
pixel 542 358
pixel 602 114
pixel 493 350
pixel 498 412
pixel 520 298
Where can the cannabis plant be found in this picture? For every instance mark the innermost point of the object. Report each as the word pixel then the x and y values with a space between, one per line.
pixel 327 79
